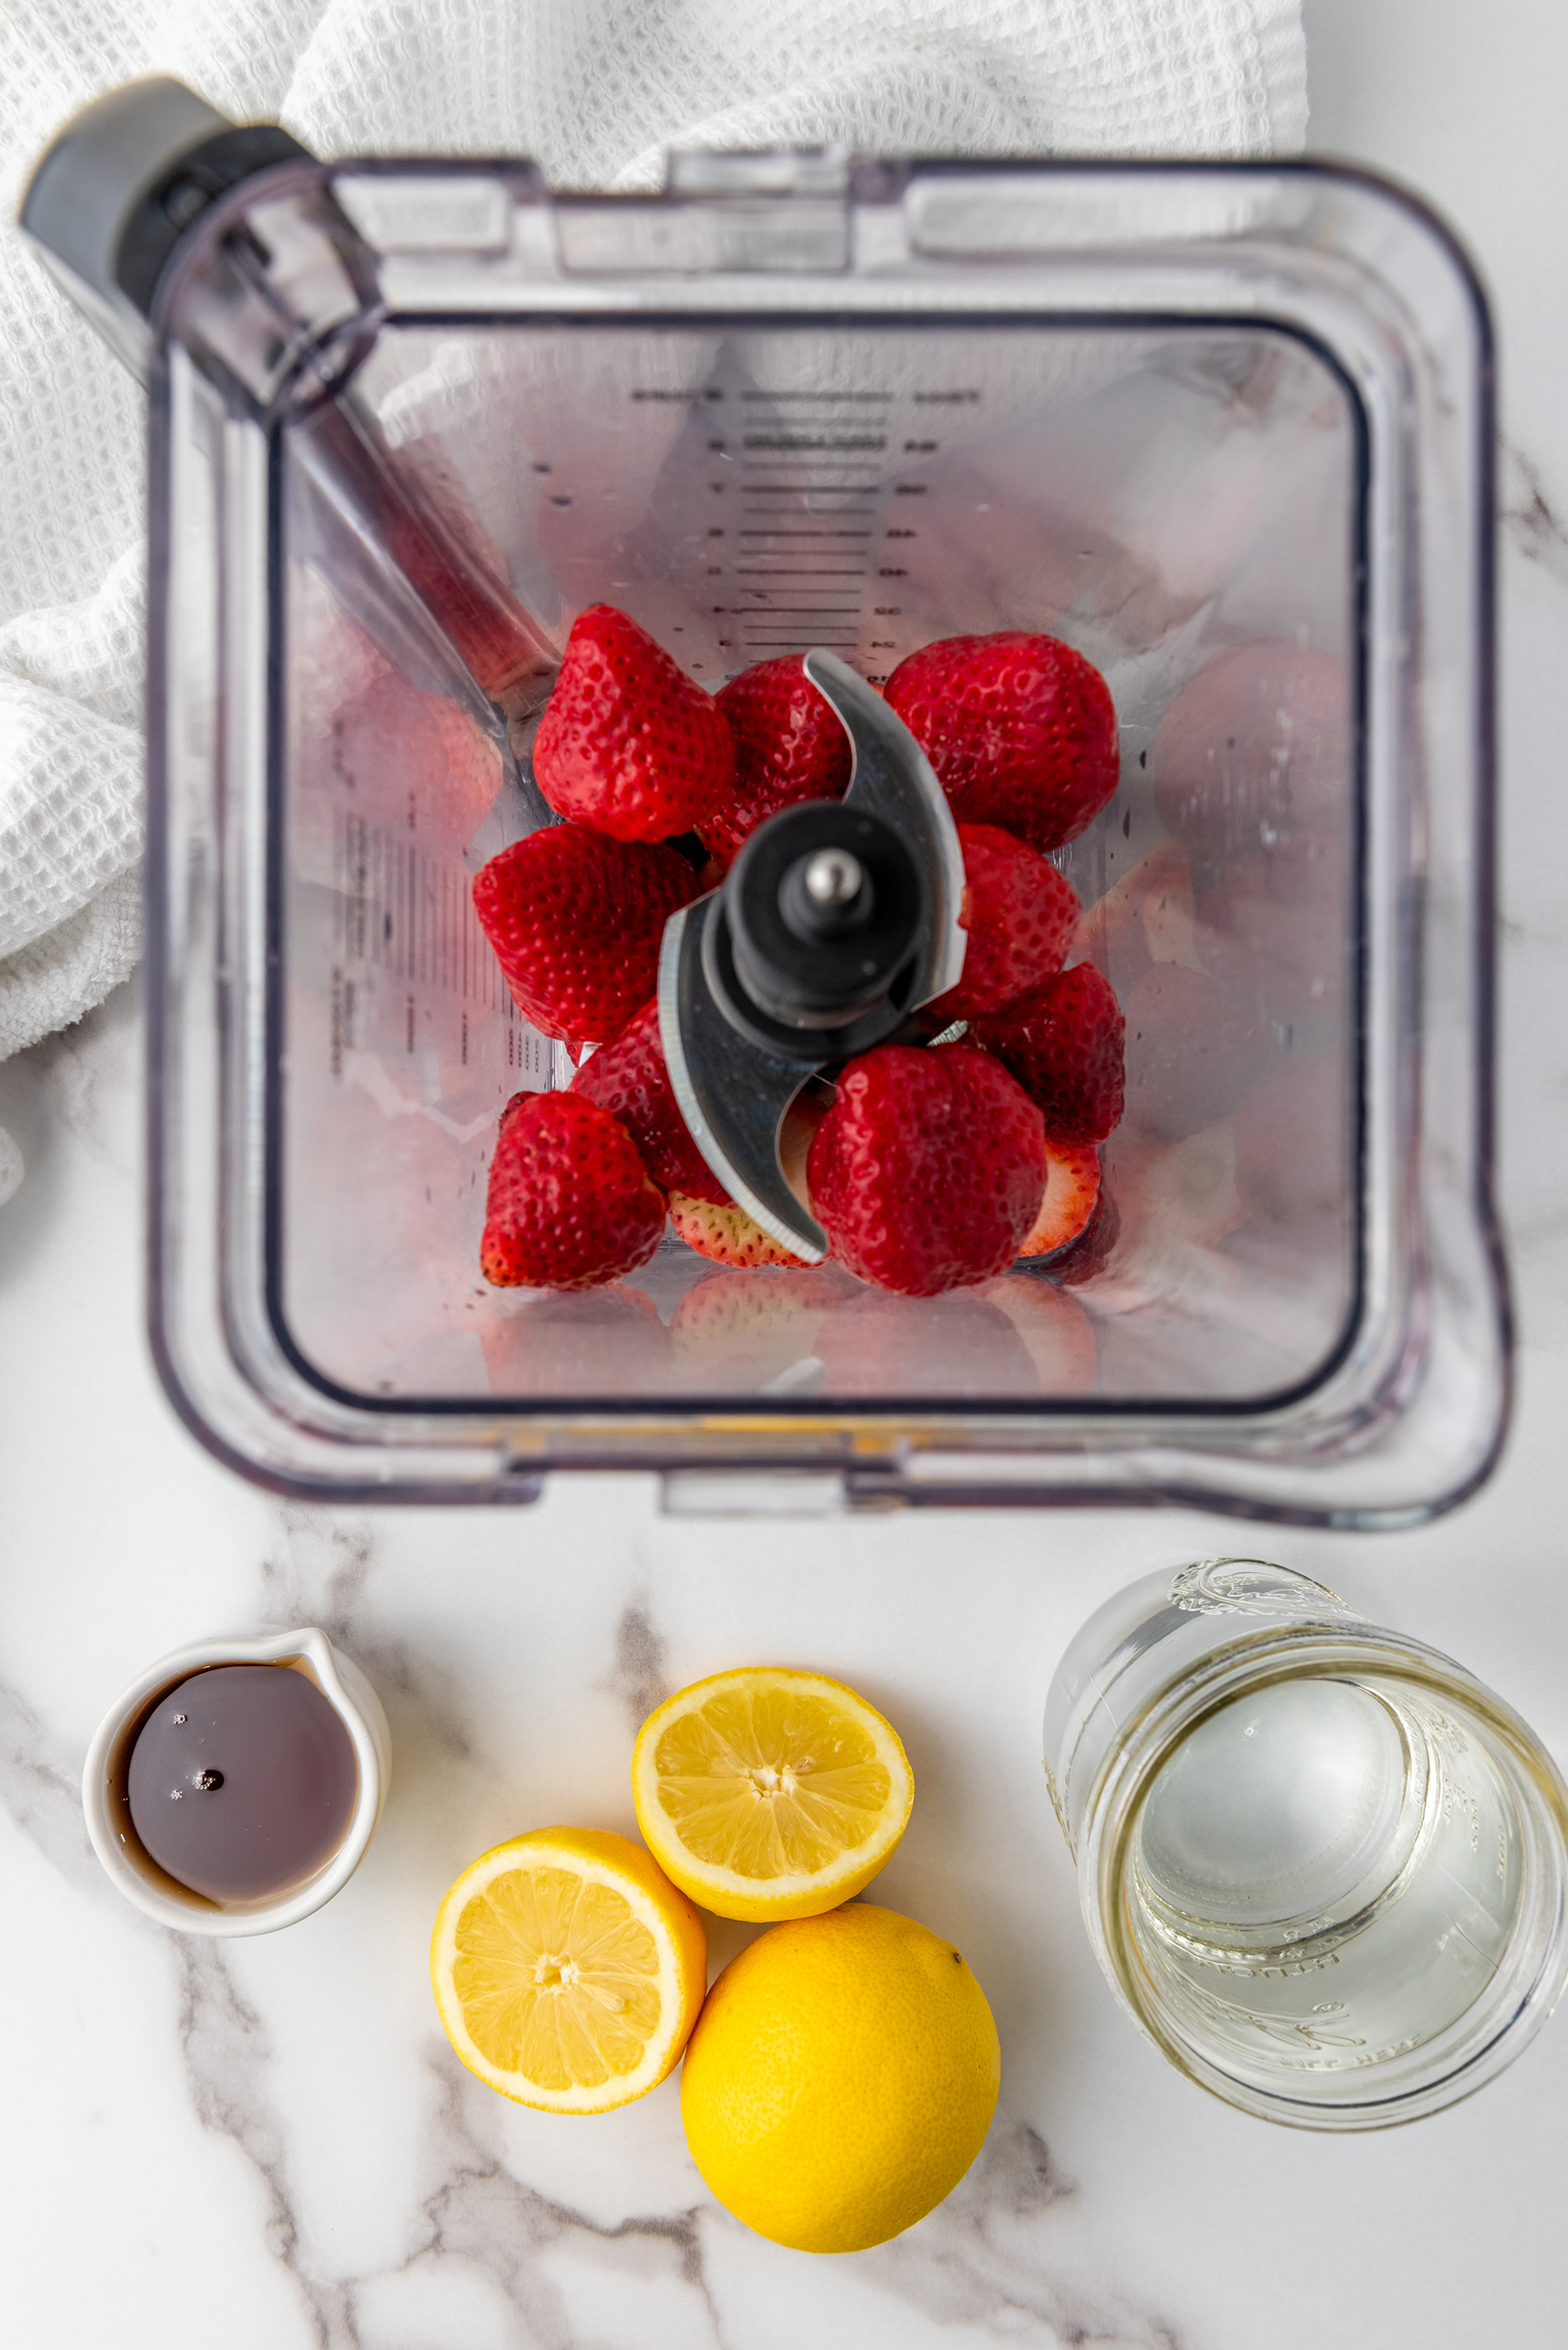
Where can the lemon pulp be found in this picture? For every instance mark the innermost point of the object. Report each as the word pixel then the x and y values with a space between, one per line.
pixel 567 1971
pixel 558 1979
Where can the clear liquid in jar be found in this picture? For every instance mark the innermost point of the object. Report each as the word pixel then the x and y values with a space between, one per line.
pixel 1327 1874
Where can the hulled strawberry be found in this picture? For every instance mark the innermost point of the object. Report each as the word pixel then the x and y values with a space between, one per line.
pixel 1021 730
pixel 726 1235
pixel 927 1173
pixel 1072 1195
pixel 570 1205
pixel 628 743
pixel 629 1078
pixel 576 921
pixel 789 746
pixel 1019 915
pixel 1065 1046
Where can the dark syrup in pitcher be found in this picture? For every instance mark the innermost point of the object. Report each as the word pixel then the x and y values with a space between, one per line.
pixel 241 1781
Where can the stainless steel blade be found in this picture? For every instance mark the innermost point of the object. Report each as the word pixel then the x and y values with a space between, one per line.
pixel 892 778
pixel 733 1094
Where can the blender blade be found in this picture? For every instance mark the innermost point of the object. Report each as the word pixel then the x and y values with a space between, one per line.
pixel 734 1065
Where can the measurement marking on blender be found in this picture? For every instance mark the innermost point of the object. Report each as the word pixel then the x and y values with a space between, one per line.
pixel 822 470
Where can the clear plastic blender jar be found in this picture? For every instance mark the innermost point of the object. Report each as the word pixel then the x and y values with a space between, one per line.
pixel 1224 428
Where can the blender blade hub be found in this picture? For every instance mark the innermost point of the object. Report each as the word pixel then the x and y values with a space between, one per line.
pixel 837 920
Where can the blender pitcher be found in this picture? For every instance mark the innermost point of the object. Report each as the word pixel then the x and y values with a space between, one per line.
pixel 1226 429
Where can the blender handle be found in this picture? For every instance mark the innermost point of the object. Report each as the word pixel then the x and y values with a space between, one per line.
pixel 108 207
pixel 112 196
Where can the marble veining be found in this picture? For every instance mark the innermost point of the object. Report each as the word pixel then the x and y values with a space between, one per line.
pixel 516 1653
pixel 225 2044
pixel 1533 527
pixel 41 1791
pixel 978 2266
pixel 268 2143
pixel 640 1679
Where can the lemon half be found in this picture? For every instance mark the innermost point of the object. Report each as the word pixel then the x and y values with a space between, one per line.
pixel 767 1793
pixel 568 1969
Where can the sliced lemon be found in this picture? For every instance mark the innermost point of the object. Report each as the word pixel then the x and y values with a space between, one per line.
pixel 768 1793
pixel 568 1969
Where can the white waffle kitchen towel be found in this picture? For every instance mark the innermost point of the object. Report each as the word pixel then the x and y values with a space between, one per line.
pixel 594 90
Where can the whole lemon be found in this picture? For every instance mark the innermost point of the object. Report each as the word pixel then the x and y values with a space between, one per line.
pixel 841 2079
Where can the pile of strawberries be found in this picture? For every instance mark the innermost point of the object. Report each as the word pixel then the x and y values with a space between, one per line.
pixel 931 1166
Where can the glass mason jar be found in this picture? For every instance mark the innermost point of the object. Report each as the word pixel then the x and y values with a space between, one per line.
pixel 1321 1865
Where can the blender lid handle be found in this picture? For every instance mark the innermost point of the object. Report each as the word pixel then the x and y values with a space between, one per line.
pixel 112 197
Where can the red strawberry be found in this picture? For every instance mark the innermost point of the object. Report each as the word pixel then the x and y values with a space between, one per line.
pixel 728 1235
pixel 926 1172
pixel 1019 915
pixel 1021 730
pixel 1072 1193
pixel 628 1076
pixel 570 1205
pixel 789 746
pixel 628 743
pixel 577 920
pixel 1064 1047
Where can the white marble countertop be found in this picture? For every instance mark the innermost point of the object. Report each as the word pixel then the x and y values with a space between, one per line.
pixel 267 2143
